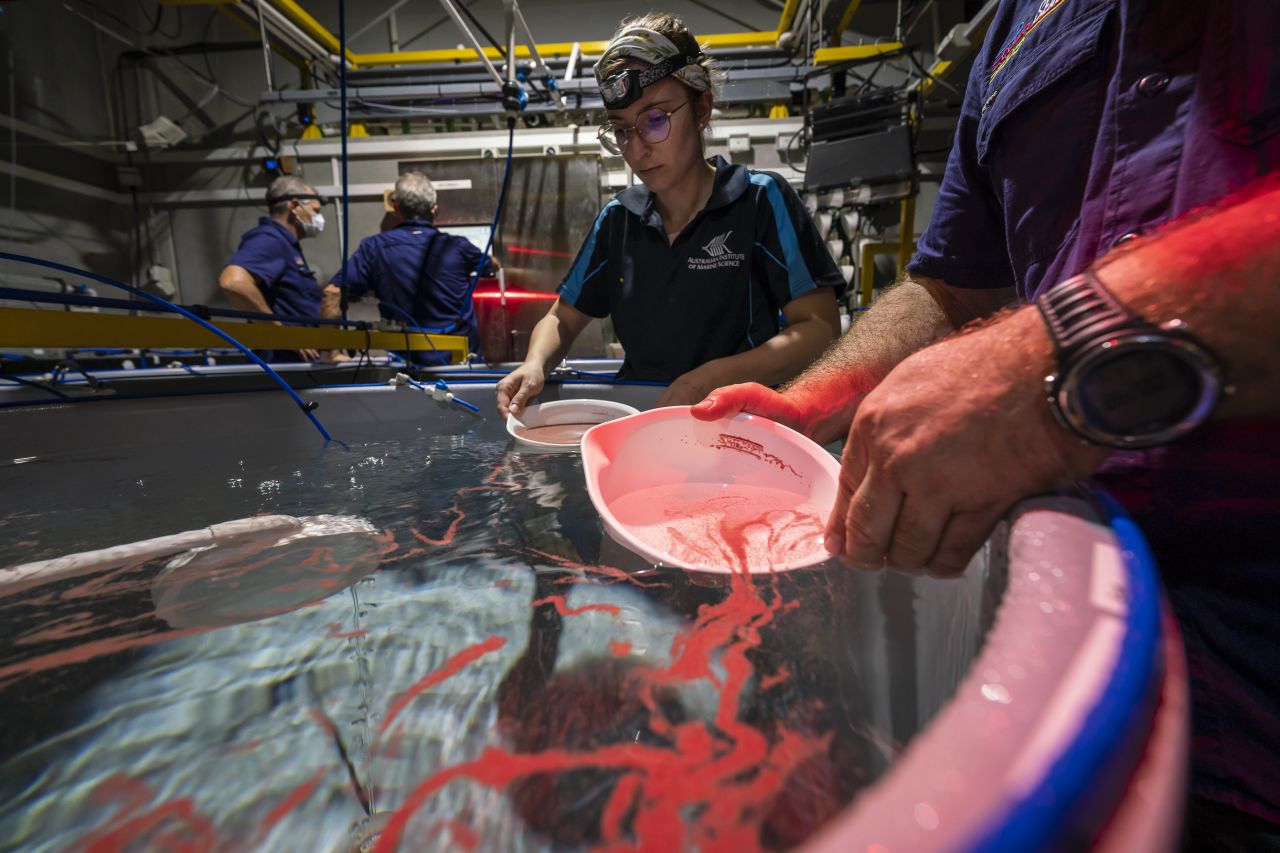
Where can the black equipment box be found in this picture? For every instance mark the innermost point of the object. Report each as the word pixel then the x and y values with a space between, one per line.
pixel 857 142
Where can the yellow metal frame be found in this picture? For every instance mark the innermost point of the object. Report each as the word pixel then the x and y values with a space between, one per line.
pixel 867 270
pixel 905 246
pixel 853 52
pixel 303 19
pixel 547 51
pixel 30 327
pixel 788 16
pixel 845 20
pixel 311 27
pixel 942 69
pixel 906 232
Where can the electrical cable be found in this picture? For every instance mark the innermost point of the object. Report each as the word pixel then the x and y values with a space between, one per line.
pixel 155 23
pixel 711 8
pixel 786 153
pixel 307 408
pixel 158 20
pixel 37 297
pixel 38 385
pixel 119 20
pixel 475 22
pixel 414 326
pixel 911 55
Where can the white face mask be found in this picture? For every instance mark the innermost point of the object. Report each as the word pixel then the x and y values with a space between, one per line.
pixel 315 226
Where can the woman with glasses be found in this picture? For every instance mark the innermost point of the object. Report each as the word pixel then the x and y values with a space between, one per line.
pixel 697 264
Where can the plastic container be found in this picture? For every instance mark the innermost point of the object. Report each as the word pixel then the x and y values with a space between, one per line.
pixel 549 427
pixel 745 454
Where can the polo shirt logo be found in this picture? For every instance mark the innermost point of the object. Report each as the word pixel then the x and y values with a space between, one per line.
pixel 718 254
pixel 1046 8
pixel 716 247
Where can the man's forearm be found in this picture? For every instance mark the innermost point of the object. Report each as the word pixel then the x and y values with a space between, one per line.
pixel 1219 272
pixel 902 321
pixel 242 291
pixel 331 302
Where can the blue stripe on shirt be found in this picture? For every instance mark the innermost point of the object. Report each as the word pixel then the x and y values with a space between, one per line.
pixel 799 279
pixel 571 287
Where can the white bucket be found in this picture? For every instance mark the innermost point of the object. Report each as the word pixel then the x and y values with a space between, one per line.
pixel 532 427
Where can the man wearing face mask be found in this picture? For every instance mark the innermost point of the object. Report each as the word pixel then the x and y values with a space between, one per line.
pixel 268 272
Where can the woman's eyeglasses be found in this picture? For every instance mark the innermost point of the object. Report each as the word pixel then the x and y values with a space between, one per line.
pixel 653 126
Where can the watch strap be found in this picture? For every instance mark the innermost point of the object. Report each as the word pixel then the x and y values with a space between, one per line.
pixel 1080 310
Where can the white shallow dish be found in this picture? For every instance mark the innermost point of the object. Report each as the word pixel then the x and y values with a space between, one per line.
pixel 668 446
pixel 563 412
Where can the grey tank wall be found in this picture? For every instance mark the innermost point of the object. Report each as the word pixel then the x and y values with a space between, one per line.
pixel 58 201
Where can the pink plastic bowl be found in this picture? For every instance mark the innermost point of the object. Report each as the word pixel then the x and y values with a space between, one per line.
pixel 669 446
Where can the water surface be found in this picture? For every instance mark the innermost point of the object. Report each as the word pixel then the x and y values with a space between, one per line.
pixel 467 664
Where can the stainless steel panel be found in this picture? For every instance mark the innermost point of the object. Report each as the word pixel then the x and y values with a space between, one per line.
pixel 550 207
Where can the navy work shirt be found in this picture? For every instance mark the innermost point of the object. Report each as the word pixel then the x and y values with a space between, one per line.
pixel 716 290
pixel 272 254
pixel 1086 121
pixel 423 272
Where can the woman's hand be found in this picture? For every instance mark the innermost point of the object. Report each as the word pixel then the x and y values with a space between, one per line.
pixel 518 387
pixel 688 388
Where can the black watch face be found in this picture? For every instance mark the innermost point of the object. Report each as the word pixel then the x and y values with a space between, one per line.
pixel 1140 391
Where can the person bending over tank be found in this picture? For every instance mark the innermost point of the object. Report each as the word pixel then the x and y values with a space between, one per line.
pixel 696 263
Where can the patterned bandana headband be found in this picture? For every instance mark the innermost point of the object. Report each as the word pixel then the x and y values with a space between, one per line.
pixel 665 57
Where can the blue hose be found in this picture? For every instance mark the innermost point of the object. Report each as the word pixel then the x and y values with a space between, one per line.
pixel 54 265
pixel 443 387
pixel 342 126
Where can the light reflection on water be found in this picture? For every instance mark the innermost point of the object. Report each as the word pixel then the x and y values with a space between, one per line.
pixel 495 684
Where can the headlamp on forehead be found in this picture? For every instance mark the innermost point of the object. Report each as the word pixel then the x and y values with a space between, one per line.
pixel 624 88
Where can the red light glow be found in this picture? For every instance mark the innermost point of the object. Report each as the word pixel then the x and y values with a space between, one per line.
pixel 546 253
pixel 514 295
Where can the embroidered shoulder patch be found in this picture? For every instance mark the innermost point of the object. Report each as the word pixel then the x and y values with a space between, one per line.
pixel 1046 8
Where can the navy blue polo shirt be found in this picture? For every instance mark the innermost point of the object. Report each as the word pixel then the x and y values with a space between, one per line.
pixel 1086 121
pixel 272 254
pixel 716 290
pixel 420 270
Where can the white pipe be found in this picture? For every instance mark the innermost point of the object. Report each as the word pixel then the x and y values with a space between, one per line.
pixel 43 571
pixel 475 43
pixel 335 174
pixel 300 42
pixel 361 390
pixel 431 146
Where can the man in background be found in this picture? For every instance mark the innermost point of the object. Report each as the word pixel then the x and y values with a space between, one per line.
pixel 420 274
pixel 268 272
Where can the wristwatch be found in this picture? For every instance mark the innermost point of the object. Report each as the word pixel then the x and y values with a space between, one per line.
pixel 1121 381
